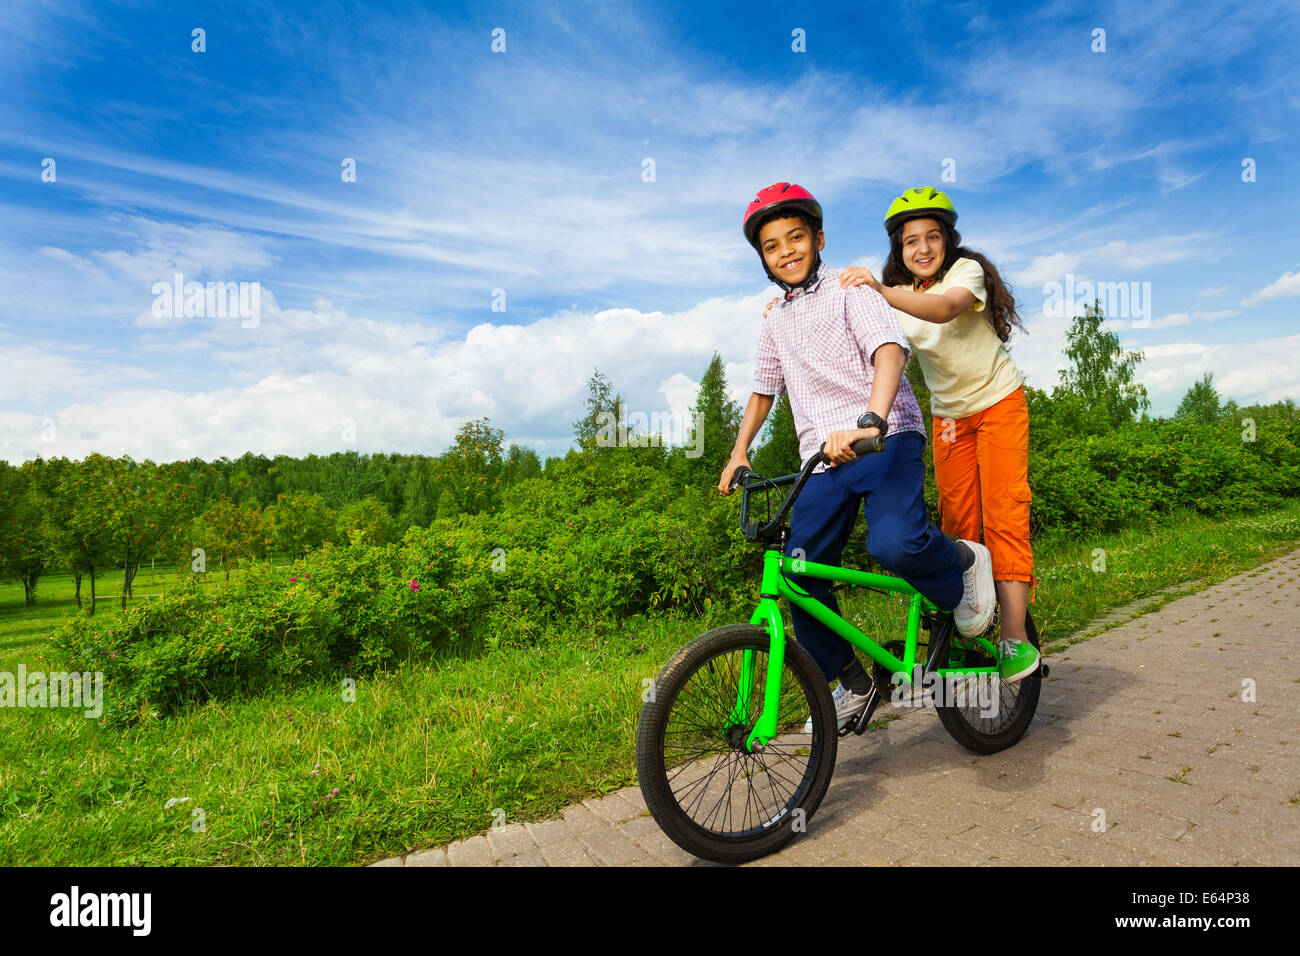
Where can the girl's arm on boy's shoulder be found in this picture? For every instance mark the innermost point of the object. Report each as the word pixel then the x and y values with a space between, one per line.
pixel 923 305
pixel 931 308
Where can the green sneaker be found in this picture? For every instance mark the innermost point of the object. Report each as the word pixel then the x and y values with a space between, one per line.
pixel 1016 659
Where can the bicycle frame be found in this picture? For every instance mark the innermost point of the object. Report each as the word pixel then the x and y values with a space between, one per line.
pixel 776 585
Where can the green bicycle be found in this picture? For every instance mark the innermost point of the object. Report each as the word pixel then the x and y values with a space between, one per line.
pixel 737 740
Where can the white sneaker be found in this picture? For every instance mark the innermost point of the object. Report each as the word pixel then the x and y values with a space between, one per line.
pixel 836 696
pixel 979 598
pixel 849 706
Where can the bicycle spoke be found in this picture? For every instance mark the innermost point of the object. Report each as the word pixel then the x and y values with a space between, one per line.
pixel 705 781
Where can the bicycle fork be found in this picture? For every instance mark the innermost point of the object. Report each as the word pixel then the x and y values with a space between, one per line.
pixel 765 727
pixel 768 612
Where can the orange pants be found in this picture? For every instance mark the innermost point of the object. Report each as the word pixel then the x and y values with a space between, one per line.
pixel 981 470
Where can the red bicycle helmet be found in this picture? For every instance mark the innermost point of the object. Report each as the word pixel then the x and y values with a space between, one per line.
pixel 776 196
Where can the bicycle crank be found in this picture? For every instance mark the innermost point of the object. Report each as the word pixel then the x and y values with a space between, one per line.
pixel 859 723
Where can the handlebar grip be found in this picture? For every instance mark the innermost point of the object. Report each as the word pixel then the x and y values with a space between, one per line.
pixel 737 476
pixel 865 446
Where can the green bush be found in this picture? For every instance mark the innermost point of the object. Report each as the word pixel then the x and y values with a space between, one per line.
pixel 601 538
pixel 1134 475
pixel 605 541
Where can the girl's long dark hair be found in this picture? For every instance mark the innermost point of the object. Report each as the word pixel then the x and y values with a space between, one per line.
pixel 999 305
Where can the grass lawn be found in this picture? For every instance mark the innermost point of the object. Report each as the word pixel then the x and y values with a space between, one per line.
pixel 425 754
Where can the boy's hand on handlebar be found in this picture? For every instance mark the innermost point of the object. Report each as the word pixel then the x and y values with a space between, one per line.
pixel 856 276
pixel 724 484
pixel 838 444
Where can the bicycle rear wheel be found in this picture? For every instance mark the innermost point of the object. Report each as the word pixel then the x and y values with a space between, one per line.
pixel 983 713
pixel 710 796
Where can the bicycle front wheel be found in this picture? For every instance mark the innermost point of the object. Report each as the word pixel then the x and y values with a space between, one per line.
pixel 710 796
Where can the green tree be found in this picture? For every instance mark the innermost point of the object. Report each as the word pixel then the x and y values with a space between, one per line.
pixel 146 505
pixel 715 418
pixel 300 522
pixel 256 478
pixel 419 494
pixel 23 546
pixel 1100 372
pixel 1201 403
pixel 470 471
pixel 80 520
pixel 228 534
pixel 601 403
pixel 350 476
pixel 366 521
pixel 521 464
pixel 779 452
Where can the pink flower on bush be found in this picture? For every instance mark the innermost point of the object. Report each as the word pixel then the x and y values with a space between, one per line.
pixel 293 579
pixel 415 586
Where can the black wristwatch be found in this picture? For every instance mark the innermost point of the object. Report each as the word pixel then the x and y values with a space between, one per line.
pixel 872 420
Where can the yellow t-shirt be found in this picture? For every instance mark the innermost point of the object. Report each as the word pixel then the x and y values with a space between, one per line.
pixel 966 366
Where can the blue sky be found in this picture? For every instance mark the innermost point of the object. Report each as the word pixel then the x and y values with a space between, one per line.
pixel 522 171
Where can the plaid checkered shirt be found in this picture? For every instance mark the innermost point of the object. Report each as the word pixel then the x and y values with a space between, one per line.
pixel 818 345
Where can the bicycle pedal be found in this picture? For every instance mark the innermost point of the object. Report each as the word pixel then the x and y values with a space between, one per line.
pixel 863 724
pixel 863 720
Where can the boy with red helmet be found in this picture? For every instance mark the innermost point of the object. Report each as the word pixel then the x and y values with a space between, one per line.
pixel 837 351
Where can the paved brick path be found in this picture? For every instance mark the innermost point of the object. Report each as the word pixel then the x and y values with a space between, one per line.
pixel 1145 722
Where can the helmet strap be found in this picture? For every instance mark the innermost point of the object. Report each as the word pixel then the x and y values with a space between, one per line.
pixel 786 286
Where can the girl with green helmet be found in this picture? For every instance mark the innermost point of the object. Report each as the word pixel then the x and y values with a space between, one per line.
pixel 958 314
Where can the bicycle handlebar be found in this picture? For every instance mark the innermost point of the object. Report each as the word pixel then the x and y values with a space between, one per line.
pixel 752 529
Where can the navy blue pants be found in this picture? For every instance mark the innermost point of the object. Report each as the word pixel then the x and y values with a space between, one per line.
pixel 890 485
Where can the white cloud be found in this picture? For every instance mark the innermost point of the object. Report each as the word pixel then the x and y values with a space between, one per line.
pixel 1249 372
pixel 1213 291
pixel 1175 319
pixel 1173 350
pixel 1285 286
pixel 41 373
pixel 1155 251
pixel 312 370
pixel 1114 261
pixel 1044 269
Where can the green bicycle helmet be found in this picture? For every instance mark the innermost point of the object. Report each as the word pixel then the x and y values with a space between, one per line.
pixel 919 202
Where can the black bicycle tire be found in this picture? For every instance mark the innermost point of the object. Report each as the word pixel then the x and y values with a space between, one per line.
pixel 653 777
pixel 1029 689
